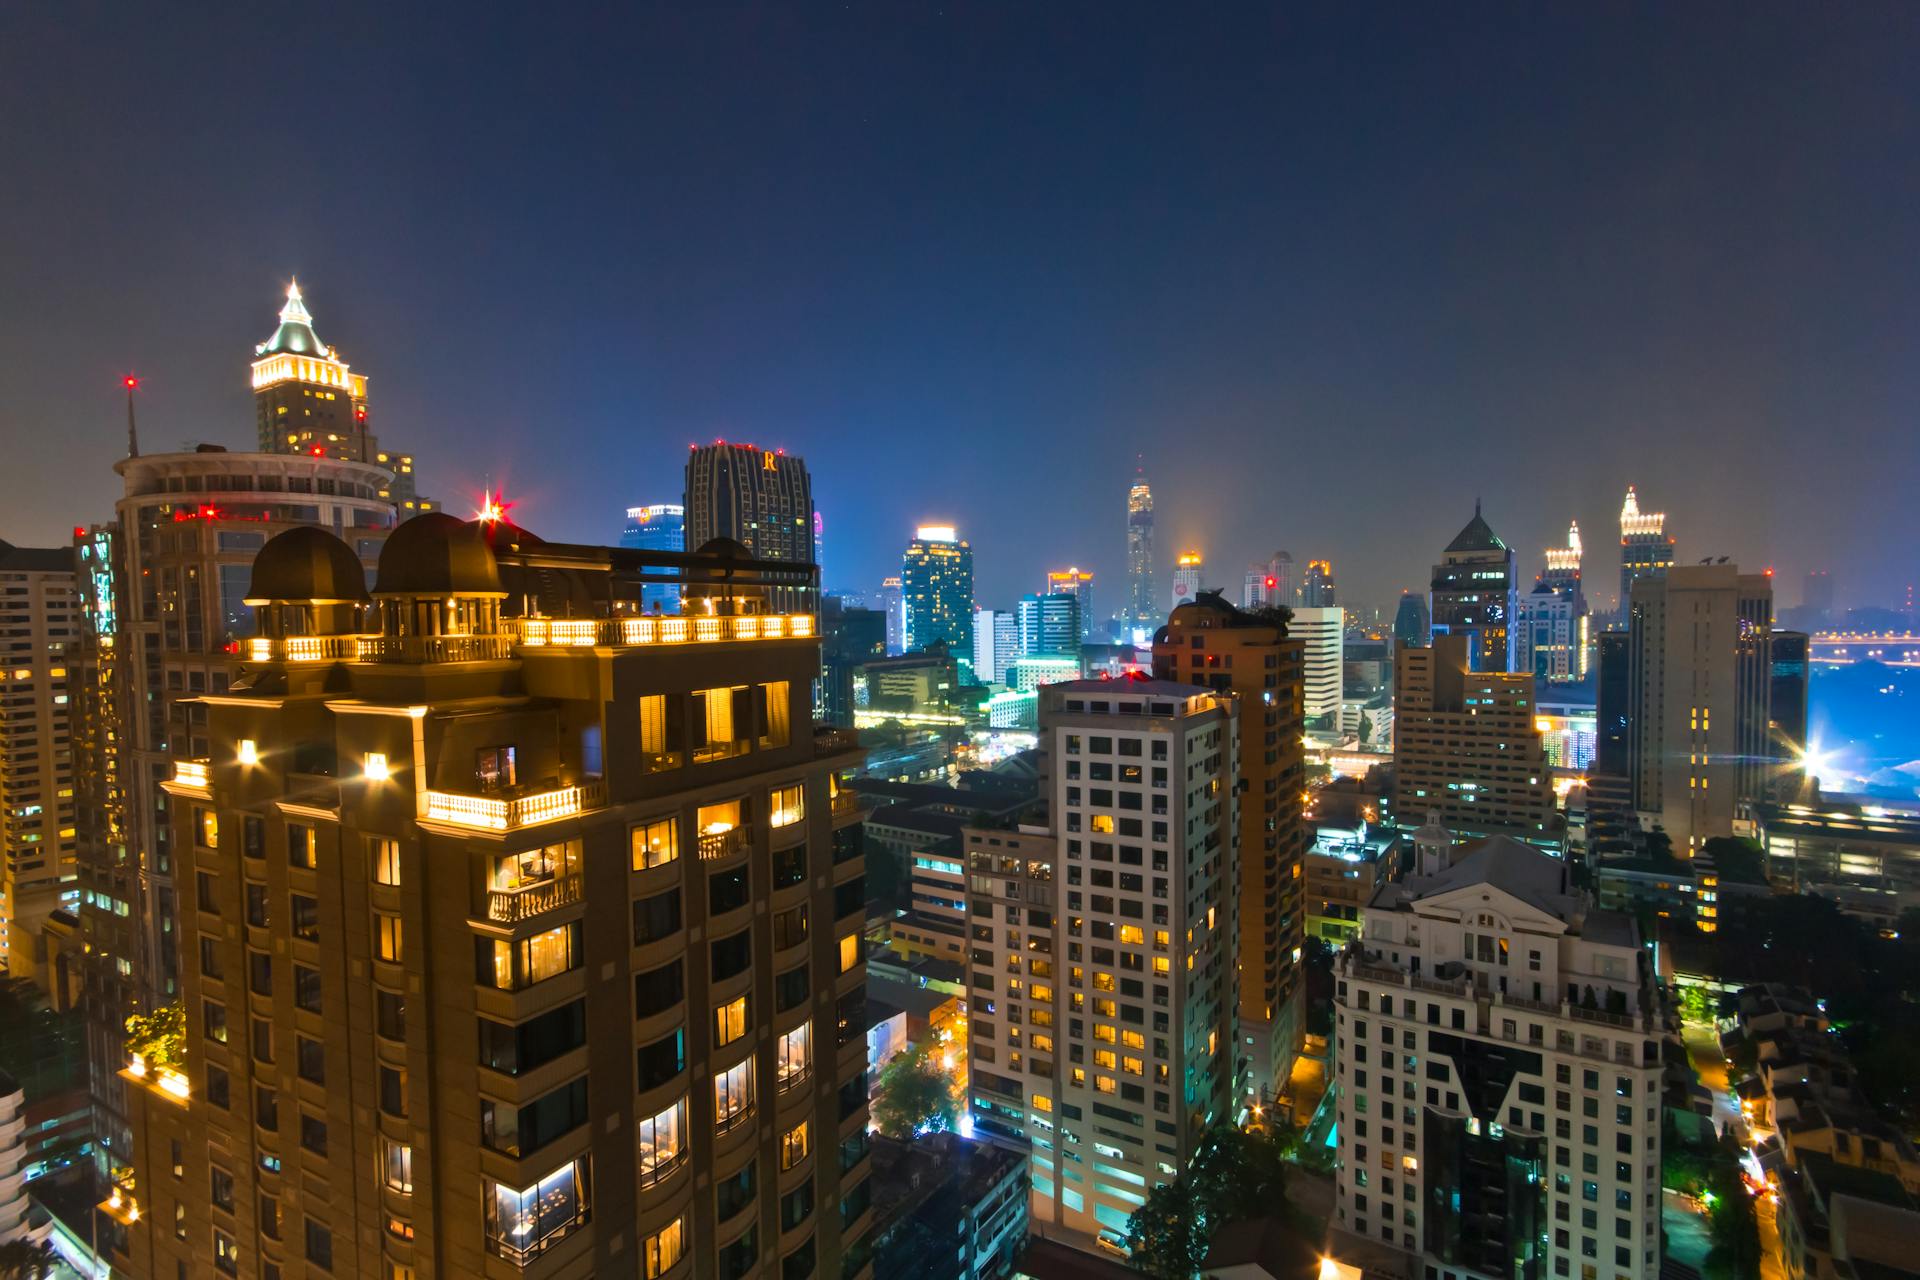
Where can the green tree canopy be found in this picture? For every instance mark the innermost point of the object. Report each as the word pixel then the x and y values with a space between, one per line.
pixel 916 1094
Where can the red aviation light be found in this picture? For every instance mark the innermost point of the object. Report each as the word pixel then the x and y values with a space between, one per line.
pixel 130 382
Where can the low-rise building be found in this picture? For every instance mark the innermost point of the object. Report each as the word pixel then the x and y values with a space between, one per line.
pixel 1866 859
pixel 1345 864
pixel 947 1208
pixel 1842 1223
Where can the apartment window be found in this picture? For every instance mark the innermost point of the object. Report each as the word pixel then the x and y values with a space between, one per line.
pixel 662 731
pixel 253 836
pixel 794 1145
pixel 790 928
pixel 266 1109
pixel 257 905
pixel 311 1056
pixel 213 1021
pixel 512 1050
pixel 662 1060
pixel 730 1021
pixel 220 1188
pixel 386 937
pixel 319 1245
pixel 513 966
pixel 495 769
pixel 393 1091
pixel 793 1055
pixel 313 1134
pixel 775 715
pixel 396 1159
pixel 306 916
pixel 219 1087
pixel 790 989
pixel 656 918
pixel 722 717
pixel 655 844
pixel 663 1143
pixel 269 1216
pixel 790 865
pixel 662 1251
pixel 787 805
pixel 226 1254
pixel 522 1222
pixel 300 851
pixel 733 1194
pixel 732 1096
pixel 728 891
pixel 386 862
pixel 849 952
pixel 658 990
pixel 306 988
pixel 206 829
pixel 732 955
pixel 796 1206
pixel 390 1014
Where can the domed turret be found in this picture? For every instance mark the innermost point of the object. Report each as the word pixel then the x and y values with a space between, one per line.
pixel 437 555
pixel 716 589
pixel 307 582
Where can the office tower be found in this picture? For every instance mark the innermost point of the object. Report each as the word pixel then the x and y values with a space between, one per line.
pixel 1699 699
pixel 1497 1048
pixel 1788 655
pixel 1465 745
pixel 1475 595
pixel 307 400
pixel 936 591
pixel 1613 703
pixel 759 498
pixel 661 527
pixel 1212 644
pixel 849 639
pixel 1143 606
pixel 1410 626
pixel 1562 574
pixel 1316 585
pixel 1646 551
pixel 996 644
pixel 892 603
pixel 165 602
pixel 1049 626
pixel 40 618
pixel 1077 583
pixel 819 543
pixel 1551 634
pixel 1188 571
pixel 520 942
pixel 1323 631
pixel 1104 982
pixel 1285 590
pixel 1255 587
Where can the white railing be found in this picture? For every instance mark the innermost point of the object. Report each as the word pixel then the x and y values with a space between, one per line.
pixel 509 813
pixel 654 630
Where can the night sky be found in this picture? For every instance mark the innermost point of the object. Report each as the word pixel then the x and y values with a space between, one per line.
pixel 1332 272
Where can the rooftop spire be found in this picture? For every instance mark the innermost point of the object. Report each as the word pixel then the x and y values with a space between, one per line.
pixel 295 312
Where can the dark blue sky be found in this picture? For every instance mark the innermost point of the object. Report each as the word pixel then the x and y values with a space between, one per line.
pixel 1332 271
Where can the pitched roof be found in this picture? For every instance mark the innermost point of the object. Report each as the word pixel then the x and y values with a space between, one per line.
pixel 35 559
pixel 1478 535
pixel 295 336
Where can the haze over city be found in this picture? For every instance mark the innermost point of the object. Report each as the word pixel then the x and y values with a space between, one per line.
pixel 1331 274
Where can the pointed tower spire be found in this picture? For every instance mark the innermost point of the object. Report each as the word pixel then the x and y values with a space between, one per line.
pixel 295 312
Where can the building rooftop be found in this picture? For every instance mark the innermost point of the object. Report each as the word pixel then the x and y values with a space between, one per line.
pixel 1478 535
pixel 1512 866
pixel 35 559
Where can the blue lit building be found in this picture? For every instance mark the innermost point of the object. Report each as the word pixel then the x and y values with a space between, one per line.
pixel 657 528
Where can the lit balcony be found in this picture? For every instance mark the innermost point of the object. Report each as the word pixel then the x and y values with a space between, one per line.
pixel 511 813
pixel 667 629
pixel 509 906
pixel 190 776
pixel 426 649
pixel 304 648
pixel 715 845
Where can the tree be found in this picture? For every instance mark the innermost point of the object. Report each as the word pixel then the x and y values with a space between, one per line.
pixel 1236 1174
pixel 915 1095
pixel 1737 860
pixel 23 1260
pixel 1167 1236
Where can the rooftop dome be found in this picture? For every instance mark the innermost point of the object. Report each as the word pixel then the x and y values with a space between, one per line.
pixel 307 564
pixel 726 548
pixel 437 554
pixel 502 534
pixel 295 336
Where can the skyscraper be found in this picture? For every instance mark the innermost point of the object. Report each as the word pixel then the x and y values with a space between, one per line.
pixel 1212 644
pixel 761 499
pixel 1077 583
pixel 1551 636
pixel 1322 630
pixel 1788 654
pixel 557 965
pixel 1188 573
pixel 1285 591
pixel 1646 551
pixel 1699 703
pixel 1050 626
pixel 1474 594
pixel 1143 605
pixel 1517 992
pixel 890 602
pixel 936 591
pixel 1466 745
pixel 1131 1067
pixel 1410 626
pixel 661 527
pixel 996 644
pixel 1316 586
pixel 307 400
pixel 40 618
pixel 167 623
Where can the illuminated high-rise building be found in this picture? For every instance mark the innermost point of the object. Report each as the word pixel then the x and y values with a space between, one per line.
pixel 1316 585
pixel 1211 644
pixel 307 400
pixel 510 957
pixel 165 602
pixel 1475 595
pixel 1646 549
pixel 661 527
pixel 1050 626
pixel 1551 632
pixel 1285 589
pixel 1078 583
pixel 996 644
pixel 759 498
pixel 936 591
pixel 40 621
pixel 1323 632
pixel 1410 624
pixel 1188 575
pixel 1143 605
pixel 891 602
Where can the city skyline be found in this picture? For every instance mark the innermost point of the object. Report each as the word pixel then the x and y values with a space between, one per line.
pixel 1684 289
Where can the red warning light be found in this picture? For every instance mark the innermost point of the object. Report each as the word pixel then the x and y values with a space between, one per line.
pixel 130 382
pixel 319 451
pixel 1272 582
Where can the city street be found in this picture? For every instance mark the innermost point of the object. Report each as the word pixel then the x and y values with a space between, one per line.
pixel 1710 1064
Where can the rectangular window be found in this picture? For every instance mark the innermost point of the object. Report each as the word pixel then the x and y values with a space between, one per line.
pixel 663 1143
pixel 386 861
pixel 319 1245
pixel 787 805
pixel 661 1252
pixel 311 1057
pixel 732 955
pixel 206 829
pixel 520 1223
pixel 775 714
pixel 214 1021
pixel 730 1021
pixel 520 1131
pixel 495 769
pixel 733 1195
pixel 794 1145
pixel 662 731
pixel 300 852
pixel 657 918
pixel 306 916
pixel 662 1060
pixel 387 941
pixel 793 1056
pixel 658 990
pixel 728 891
pixel 306 988
pixel 390 1014
pixel 732 1096
pixel 655 843
pixel 397 1161
pixel 513 1050
pixel 849 952
pixel 514 966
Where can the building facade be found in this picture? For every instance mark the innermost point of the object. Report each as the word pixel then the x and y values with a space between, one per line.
pixel 1188 578
pixel 166 622
pixel 1475 595
pixel 1497 1046
pixel 1466 745
pixel 40 624
pixel 996 644
pixel 1550 641
pixel 1316 586
pixel 1699 700
pixel 1323 633
pixel 1211 644
pixel 661 527
pixel 936 591
pixel 1050 626
pixel 1103 979
pixel 520 944
pixel 1646 548
pixel 759 498
pixel 1078 583
pixel 1411 626
pixel 1143 604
